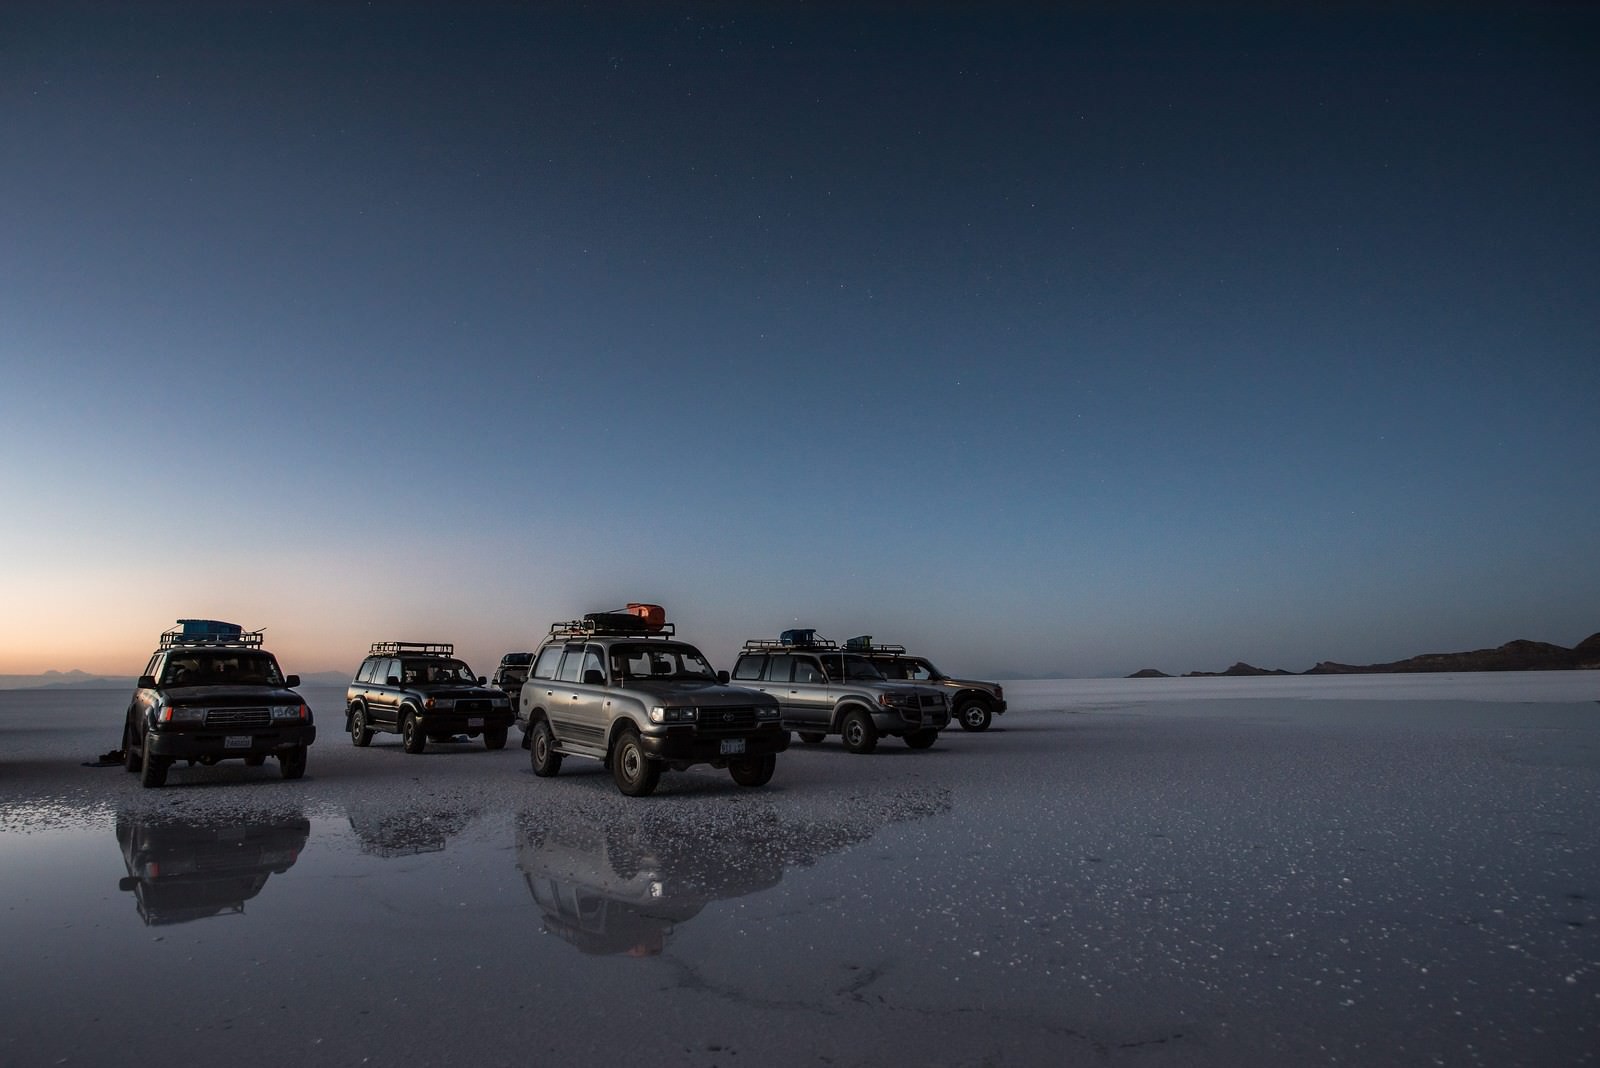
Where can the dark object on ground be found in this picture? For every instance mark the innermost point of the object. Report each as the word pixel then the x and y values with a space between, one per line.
pixel 112 759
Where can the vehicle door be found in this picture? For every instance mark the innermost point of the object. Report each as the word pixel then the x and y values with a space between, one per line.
pixel 565 697
pixel 809 702
pixel 591 710
pixel 383 700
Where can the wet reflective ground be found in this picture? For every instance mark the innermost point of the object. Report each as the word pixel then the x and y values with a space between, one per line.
pixel 1210 882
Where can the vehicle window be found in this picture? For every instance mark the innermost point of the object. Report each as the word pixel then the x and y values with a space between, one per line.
pixel 593 660
pixel 222 668
pixel 660 660
pixel 808 670
pixel 905 669
pixel 749 667
pixel 448 671
pixel 545 667
pixel 365 674
pixel 150 668
pixel 571 669
pixel 779 665
pixel 384 670
pixel 847 666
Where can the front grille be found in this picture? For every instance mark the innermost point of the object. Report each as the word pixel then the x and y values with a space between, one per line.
pixel 473 704
pixel 239 717
pixel 935 700
pixel 737 720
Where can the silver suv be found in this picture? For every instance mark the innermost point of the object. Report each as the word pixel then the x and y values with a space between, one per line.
pixel 621 689
pixel 973 704
pixel 825 690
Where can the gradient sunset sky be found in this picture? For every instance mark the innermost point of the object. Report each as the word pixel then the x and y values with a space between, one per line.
pixel 1045 339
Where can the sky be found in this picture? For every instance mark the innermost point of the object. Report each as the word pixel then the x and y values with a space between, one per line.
pixel 1042 339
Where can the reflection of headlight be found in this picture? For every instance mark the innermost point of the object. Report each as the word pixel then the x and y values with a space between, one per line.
pixel 282 712
pixel 660 714
pixel 658 889
pixel 182 715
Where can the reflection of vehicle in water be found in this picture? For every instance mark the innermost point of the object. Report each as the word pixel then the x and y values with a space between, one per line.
pixel 390 832
pixel 620 882
pixel 181 871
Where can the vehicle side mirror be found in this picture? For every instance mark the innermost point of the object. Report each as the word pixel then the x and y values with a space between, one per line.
pixel 594 677
pixel 292 681
pixel 147 682
pixel 392 680
pixel 482 680
pixel 127 882
pixel 722 677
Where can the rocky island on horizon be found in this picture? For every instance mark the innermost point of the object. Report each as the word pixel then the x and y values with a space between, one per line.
pixel 1519 655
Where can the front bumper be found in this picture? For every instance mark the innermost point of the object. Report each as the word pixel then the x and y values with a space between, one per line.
pixel 453 722
pixel 686 745
pixel 215 743
pixel 901 723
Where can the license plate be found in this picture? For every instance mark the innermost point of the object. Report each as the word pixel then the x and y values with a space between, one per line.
pixel 475 721
pixel 732 746
pixel 236 741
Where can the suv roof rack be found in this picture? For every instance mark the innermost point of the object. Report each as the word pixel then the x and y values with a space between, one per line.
pixel 589 628
pixel 757 645
pixel 412 649
pixel 190 633
pixel 863 644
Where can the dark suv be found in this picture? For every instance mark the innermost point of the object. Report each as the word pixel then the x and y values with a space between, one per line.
pixel 211 692
pixel 622 690
pixel 511 674
pixel 973 704
pixel 421 691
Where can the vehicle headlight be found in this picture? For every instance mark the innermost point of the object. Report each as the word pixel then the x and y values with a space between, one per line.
pixel 672 714
pixel 766 712
pixel 182 715
pixel 897 700
pixel 287 712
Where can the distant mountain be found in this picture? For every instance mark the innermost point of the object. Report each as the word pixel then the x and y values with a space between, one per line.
pixel 1520 655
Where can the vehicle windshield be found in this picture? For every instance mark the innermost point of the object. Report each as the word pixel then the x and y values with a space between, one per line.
pixel 659 660
pixel 849 666
pixel 220 667
pixel 436 670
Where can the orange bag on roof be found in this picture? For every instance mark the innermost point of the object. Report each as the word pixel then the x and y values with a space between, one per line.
pixel 652 614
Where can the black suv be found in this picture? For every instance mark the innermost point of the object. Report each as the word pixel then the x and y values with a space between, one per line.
pixel 511 674
pixel 421 691
pixel 211 692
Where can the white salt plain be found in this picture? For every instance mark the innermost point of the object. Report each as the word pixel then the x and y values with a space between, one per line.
pixel 1363 870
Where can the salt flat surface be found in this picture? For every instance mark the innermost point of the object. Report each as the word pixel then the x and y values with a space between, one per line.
pixel 1104 878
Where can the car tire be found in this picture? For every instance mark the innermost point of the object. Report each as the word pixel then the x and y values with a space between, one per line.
pixel 635 773
pixel 132 755
pixel 922 739
pixel 360 730
pixel 292 762
pixel 973 715
pixel 753 771
pixel 412 736
pixel 812 737
pixel 860 736
pixel 152 769
pixel 494 738
pixel 542 750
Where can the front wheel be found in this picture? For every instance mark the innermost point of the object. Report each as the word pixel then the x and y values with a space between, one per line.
pixel 542 750
pixel 636 774
pixel 412 736
pixel 360 729
pixel 292 762
pixel 753 771
pixel 973 716
pixel 494 738
pixel 922 739
pixel 860 736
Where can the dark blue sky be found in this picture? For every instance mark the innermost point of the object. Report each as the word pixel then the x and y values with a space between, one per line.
pixel 1047 340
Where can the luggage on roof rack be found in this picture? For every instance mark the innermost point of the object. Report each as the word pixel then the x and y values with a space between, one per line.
pixel 208 632
pixel 798 636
